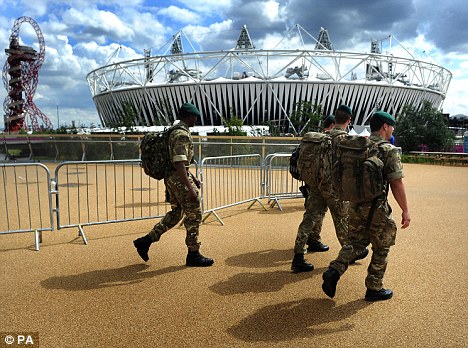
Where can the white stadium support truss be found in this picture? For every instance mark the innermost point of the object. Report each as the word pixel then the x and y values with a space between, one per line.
pixel 263 86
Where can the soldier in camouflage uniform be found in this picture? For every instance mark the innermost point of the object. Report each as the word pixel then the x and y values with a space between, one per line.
pixel 183 189
pixel 382 228
pixel 314 241
pixel 318 201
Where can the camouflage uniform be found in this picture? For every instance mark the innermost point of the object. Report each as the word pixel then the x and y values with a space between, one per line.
pixel 316 205
pixel 382 228
pixel 181 149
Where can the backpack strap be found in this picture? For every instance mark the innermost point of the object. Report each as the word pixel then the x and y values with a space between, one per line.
pixel 370 216
pixel 169 131
pixel 173 128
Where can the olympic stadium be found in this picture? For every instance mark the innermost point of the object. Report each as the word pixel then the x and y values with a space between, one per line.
pixel 264 86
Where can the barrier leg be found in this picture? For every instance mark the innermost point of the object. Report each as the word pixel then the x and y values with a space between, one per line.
pixel 82 235
pixel 37 239
pixel 216 215
pixel 260 202
pixel 275 201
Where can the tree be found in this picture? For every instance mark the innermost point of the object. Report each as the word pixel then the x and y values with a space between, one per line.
pixel 306 117
pixel 126 118
pixel 424 128
pixel 234 125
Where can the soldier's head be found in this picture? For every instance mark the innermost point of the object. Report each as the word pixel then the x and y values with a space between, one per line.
pixel 343 115
pixel 383 123
pixel 329 122
pixel 188 113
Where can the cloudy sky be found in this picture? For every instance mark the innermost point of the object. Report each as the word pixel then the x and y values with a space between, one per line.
pixel 81 35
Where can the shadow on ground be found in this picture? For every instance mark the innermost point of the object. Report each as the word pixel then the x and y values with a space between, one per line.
pixel 258 282
pixel 296 320
pixel 251 282
pixel 262 259
pixel 106 278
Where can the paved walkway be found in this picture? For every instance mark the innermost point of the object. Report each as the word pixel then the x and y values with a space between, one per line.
pixel 103 295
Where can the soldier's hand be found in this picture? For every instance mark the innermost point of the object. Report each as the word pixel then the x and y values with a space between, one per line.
pixel 405 219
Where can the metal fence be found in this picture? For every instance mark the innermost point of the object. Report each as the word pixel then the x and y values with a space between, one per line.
pixel 229 181
pixel 279 184
pixel 26 199
pixel 100 192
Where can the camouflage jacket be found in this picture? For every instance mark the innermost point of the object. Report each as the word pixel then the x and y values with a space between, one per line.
pixel 181 145
pixel 393 169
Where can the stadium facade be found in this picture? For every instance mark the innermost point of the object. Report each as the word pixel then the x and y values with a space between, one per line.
pixel 263 86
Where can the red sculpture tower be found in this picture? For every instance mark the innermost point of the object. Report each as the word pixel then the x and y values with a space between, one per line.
pixel 20 77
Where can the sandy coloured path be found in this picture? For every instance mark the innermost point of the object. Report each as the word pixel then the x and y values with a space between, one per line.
pixel 103 295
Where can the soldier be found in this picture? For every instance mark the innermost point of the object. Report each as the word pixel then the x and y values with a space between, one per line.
pixel 314 243
pixel 372 223
pixel 318 201
pixel 183 188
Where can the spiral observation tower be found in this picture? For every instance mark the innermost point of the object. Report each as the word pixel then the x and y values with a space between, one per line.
pixel 264 86
pixel 20 78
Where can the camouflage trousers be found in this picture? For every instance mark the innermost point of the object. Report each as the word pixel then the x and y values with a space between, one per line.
pixel 381 235
pixel 316 205
pixel 180 206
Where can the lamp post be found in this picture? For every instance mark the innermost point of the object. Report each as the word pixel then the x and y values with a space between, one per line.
pixel 58 118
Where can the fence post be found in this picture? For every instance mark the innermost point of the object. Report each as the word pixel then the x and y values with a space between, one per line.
pixel 83 149
pixel 25 208
pixel 112 149
pixel 31 154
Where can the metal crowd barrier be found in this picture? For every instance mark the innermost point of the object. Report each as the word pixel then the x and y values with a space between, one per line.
pixel 229 181
pixel 100 192
pixel 26 199
pixel 279 184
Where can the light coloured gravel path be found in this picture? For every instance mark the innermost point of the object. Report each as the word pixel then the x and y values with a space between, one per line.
pixel 103 295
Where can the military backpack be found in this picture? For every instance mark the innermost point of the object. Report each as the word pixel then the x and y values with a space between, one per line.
pixel 293 163
pixel 357 171
pixel 155 157
pixel 315 158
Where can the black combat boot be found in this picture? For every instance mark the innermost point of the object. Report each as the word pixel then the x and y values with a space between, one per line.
pixel 142 246
pixel 299 264
pixel 330 279
pixel 317 247
pixel 195 259
pixel 360 256
pixel 378 295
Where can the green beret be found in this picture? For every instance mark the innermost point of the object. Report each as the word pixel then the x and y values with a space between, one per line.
pixel 190 108
pixel 346 109
pixel 385 117
pixel 329 120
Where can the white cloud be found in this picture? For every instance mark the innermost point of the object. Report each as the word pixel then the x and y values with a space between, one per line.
pixel 199 33
pixel 98 22
pixel 456 101
pixel 178 14
pixel 36 8
pixel 271 10
pixel 208 6
pixel 106 54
